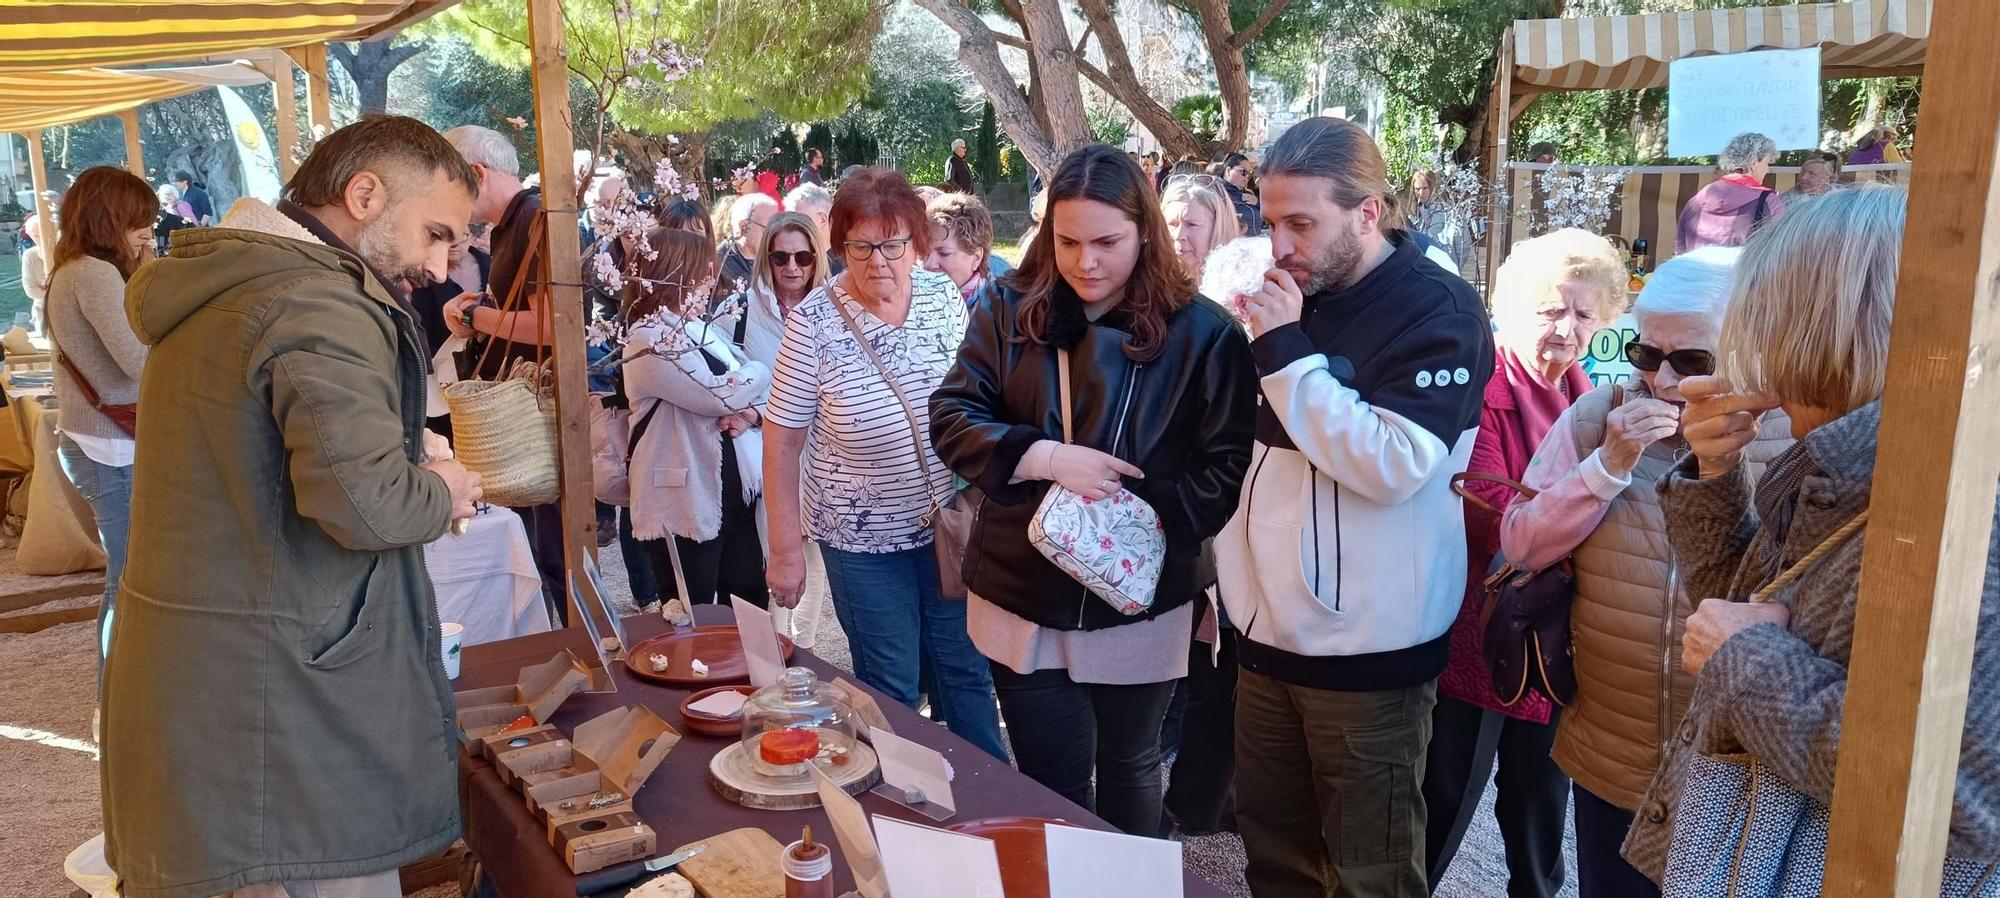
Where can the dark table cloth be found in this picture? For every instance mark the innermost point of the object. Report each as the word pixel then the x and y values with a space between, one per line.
pixel 678 802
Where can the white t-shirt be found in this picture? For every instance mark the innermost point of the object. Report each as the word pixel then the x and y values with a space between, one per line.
pixel 861 487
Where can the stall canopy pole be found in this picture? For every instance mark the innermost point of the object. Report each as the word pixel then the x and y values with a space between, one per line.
pixel 278 68
pixel 555 147
pixel 311 59
pixel 135 154
pixel 38 174
pixel 1935 475
pixel 1500 226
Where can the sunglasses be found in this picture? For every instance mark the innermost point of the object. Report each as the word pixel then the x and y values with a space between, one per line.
pixel 1209 181
pixel 802 259
pixel 1688 362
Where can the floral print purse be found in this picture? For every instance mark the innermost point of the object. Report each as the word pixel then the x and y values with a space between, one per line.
pixel 1115 547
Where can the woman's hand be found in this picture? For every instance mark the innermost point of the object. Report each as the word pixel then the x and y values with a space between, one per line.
pixel 1634 426
pixel 785 575
pixel 1088 472
pixel 1719 421
pixel 1715 620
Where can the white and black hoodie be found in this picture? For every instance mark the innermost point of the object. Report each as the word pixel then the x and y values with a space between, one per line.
pixel 1345 563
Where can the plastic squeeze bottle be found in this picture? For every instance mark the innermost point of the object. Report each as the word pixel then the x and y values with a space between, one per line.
pixel 808 868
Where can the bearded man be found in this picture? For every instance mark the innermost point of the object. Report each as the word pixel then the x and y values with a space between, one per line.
pixel 1344 571
pixel 280 723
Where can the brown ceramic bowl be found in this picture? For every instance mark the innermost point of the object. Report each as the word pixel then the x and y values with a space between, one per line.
pixel 709 724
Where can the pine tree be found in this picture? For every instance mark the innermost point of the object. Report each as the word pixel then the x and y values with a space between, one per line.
pixel 987 153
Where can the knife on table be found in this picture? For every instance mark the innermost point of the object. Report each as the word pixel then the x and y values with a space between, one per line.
pixel 626 874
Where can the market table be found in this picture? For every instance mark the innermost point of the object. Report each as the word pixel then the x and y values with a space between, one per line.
pixel 486 579
pixel 677 802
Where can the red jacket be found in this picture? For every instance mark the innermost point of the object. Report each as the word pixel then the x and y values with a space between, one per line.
pixel 1503 447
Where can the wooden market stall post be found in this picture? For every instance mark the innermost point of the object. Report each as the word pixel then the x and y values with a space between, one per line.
pixel 311 60
pixel 135 153
pixel 1925 559
pixel 38 177
pixel 277 66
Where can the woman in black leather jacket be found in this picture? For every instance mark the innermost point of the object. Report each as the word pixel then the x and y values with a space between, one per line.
pixel 1163 389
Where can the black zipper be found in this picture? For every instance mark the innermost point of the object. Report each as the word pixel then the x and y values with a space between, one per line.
pixel 1117 434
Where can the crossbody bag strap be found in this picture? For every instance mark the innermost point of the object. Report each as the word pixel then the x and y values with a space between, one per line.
pixel 1062 368
pixel 513 300
pixel 909 411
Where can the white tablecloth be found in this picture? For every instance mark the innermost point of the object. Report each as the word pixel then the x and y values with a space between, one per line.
pixel 486 579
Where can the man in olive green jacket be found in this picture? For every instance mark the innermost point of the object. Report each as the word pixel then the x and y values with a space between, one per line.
pixel 276 719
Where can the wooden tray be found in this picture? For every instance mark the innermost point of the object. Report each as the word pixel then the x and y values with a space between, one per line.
pixel 716 645
pixel 741 863
pixel 1023 850
pixel 733 777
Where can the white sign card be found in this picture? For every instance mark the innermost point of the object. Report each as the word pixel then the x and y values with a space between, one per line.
pixel 857 844
pixel 1087 863
pixel 922 861
pixel 727 703
pixel 1711 99
pixel 907 766
pixel 761 653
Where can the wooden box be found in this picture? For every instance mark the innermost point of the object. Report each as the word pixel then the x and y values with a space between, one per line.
pixel 538 691
pixel 600 840
pixel 612 753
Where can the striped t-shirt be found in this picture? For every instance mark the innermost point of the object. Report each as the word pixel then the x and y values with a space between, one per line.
pixel 862 489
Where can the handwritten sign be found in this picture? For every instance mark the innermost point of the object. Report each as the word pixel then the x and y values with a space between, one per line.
pixel 1711 99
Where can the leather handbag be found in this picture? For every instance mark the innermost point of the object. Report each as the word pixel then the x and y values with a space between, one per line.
pixel 950 521
pixel 1524 618
pixel 1115 547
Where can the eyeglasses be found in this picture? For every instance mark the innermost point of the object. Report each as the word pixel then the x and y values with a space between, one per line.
pixel 1688 362
pixel 860 250
pixel 1209 181
pixel 802 259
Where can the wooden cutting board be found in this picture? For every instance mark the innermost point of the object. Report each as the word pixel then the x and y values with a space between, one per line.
pixel 741 863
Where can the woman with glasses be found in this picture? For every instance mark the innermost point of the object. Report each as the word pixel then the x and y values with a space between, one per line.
pixel 1241 185
pixel 790 265
pixel 1551 295
pixel 860 359
pixel 1161 392
pixel 1200 218
pixel 1596 471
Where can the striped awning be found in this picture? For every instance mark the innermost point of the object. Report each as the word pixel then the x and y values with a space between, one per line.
pixel 42 35
pixel 32 101
pixel 1858 38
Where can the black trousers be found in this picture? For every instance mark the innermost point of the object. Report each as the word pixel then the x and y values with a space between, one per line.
pixel 1200 791
pixel 731 564
pixel 1601 871
pixel 544 526
pixel 638 563
pixel 1531 806
pixel 1064 731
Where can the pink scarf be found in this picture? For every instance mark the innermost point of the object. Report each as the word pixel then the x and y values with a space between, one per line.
pixel 1539 403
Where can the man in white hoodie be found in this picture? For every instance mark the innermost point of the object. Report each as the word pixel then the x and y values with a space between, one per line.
pixel 1345 563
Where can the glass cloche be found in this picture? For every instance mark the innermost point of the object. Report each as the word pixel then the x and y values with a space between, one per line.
pixel 794 722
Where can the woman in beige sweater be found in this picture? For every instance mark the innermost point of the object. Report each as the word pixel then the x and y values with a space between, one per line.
pixel 107 232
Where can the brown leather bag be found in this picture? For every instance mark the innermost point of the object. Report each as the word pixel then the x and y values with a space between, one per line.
pixel 1524 618
pixel 126 416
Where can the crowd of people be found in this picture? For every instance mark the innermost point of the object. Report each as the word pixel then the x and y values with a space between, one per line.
pixel 1336 458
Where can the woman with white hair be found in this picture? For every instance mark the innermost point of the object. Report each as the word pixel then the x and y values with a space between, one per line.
pixel 1596 506
pixel 1551 295
pixel 1775 567
pixel 1725 212
pixel 1200 218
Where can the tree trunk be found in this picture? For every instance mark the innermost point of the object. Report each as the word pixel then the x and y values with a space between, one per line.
pixel 1056 73
pixel 369 66
pixel 1232 77
pixel 1176 139
pixel 980 53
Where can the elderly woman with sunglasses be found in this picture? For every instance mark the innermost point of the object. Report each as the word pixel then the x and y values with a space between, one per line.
pixel 1596 472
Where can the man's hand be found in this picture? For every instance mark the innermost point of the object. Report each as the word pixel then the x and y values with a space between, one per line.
pixel 1715 620
pixel 1719 421
pixel 1276 304
pixel 454 314
pixel 463 484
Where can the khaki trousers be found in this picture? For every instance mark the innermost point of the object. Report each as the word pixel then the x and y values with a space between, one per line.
pixel 375 885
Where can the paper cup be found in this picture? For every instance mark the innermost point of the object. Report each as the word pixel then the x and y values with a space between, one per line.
pixel 454 639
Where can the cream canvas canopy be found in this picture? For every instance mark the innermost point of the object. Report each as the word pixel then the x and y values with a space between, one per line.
pixel 40 35
pixel 33 101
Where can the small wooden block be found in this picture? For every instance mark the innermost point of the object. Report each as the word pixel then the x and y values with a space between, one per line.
pixel 741 863
pixel 599 842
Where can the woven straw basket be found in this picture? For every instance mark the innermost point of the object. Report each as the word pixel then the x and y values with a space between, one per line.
pixel 505 431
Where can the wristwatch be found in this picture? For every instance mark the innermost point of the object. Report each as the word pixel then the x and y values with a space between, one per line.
pixel 465 317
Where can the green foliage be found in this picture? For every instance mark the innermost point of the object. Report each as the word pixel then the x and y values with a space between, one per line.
pixel 757 55
pixel 1202 113
pixel 853 146
pixel 821 137
pixel 986 148
pixel 1107 127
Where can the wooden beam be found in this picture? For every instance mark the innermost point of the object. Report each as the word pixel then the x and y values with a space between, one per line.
pixel 1520 105
pixel 1935 476
pixel 311 59
pixel 555 146
pixel 1500 224
pixel 135 154
pixel 278 67
pixel 38 175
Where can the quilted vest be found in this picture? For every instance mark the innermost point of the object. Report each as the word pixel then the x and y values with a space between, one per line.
pixel 1627 620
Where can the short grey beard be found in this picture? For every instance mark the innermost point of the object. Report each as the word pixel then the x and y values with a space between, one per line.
pixel 377 247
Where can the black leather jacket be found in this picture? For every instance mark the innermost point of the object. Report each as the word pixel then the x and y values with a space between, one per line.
pixel 1186 418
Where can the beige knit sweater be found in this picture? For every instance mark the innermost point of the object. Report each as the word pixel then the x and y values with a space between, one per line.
pixel 86 318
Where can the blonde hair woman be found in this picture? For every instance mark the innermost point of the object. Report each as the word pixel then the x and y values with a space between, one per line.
pixel 1200 219
pixel 1807 331
pixel 1551 295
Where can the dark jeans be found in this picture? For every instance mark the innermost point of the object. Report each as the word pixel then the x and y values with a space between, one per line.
pixel 890 607
pixel 1064 731
pixel 108 490
pixel 544 526
pixel 1601 872
pixel 731 564
pixel 1328 788
pixel 1199 792
pixel 1532 800
pixel 638 563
